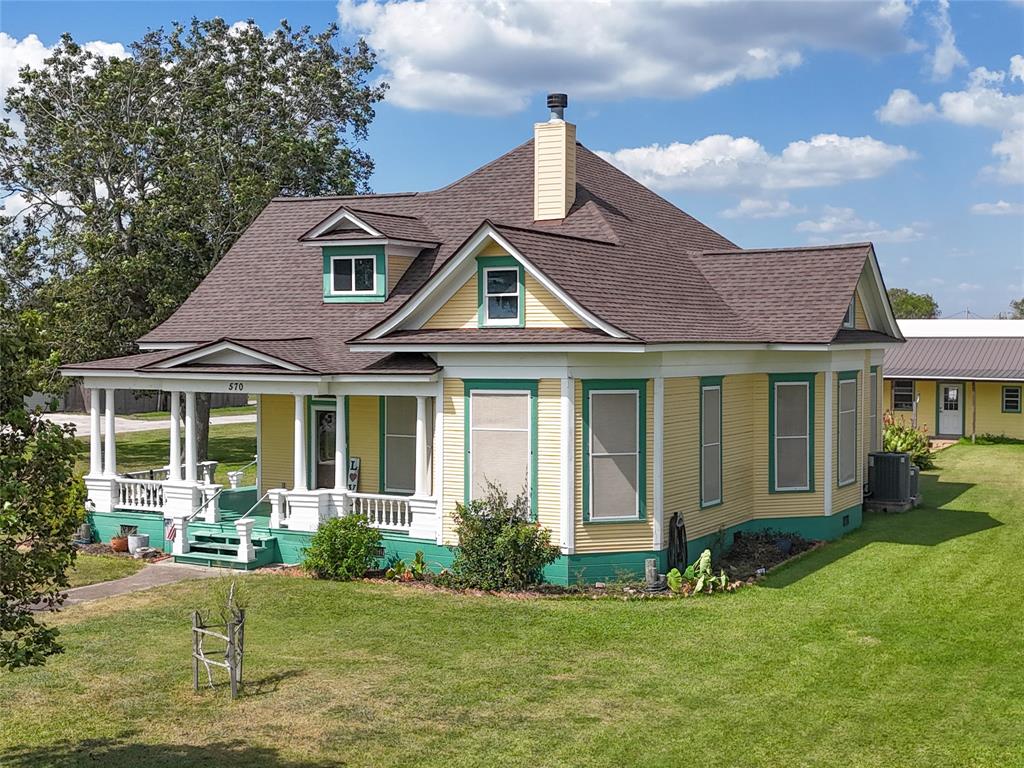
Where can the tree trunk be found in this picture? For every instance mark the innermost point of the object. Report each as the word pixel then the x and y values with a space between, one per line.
pixel 202 426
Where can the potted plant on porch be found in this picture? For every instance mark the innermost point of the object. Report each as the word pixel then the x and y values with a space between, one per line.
pixel 119 543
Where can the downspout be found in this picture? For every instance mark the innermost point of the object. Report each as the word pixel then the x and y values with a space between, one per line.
pixel 974 410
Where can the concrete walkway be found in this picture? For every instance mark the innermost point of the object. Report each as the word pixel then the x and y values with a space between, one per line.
pixel 152 575
pixel 121 424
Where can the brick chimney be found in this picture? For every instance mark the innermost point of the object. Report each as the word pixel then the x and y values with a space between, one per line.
pixel 554 163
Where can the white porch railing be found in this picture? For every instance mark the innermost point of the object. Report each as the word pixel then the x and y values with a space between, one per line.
pixel 145 495
pixel 389 513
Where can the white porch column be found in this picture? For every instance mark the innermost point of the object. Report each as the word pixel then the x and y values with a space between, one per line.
pixel 95 449
pixel 340 459
pixel 110 452
pixel 299 475
pixel 659 464
pixel 174 467
pixel 190 437
pixel 567 441
pixel 421 446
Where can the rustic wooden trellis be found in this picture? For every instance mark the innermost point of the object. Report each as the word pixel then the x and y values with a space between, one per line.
pixel 232 651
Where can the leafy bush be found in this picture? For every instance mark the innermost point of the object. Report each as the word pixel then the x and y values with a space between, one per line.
pixel 417 570
pixel 499 548
pixel 898 437
pixel 698 577
pixel 343 548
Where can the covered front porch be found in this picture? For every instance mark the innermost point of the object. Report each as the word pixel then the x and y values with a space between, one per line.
pixel 317 441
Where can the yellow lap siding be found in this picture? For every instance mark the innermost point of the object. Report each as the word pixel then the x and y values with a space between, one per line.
pixel 453 410
pixel 460 311
pixel 396 268
pixel 846 496
pixel 364 439
pixel 549 458
pixel 682 450
pixel 543 310
pixel 989 418
pixel 614 537
pixel 276 416
pixel 786 504
pixel 860 317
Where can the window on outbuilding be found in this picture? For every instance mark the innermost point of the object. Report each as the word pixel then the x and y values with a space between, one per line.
pixel 903 395
pixel 847 431
pixel 1011 399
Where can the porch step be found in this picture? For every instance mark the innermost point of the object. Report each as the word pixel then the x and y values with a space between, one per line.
pixel 220 550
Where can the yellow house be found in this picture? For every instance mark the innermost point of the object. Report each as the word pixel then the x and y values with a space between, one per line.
pixel 547 324
pixel 957 378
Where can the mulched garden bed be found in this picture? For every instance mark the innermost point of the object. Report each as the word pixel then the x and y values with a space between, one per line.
pixel 754 554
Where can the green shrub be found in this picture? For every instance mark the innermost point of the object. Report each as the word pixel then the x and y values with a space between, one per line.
pixel 698 577
pixel 343 548
pixel 898 437
pixel 499 548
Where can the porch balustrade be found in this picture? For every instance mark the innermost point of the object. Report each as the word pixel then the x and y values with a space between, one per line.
pixel 389 513
pixel 140 495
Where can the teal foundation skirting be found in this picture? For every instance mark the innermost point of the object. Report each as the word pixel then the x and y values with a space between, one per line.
pixel 238 500
pixel 566 570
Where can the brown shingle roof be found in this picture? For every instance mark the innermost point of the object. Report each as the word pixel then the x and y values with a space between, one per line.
pixel 623 253
pixel 500 336
pixel 962 358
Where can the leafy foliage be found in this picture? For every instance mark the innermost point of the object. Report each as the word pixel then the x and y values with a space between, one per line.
pixel 41 503
pixel 417 570
pixel 1016 311
pixel 908 305
pixel 499 548
pixel 899 437
pixel 343 548
pixel 698 577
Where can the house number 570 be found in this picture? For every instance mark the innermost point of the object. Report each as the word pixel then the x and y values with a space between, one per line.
pixel 236 386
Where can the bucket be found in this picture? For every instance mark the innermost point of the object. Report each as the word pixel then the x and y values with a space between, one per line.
pixel 136 541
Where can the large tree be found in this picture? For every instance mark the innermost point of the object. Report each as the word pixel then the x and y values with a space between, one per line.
pixel 1016 311
pixel 139 173
pixel 908 305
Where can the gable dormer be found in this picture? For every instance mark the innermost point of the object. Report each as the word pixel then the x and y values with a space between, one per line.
pixel 365 253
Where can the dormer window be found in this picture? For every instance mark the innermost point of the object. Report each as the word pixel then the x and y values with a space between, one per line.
pixel 501 291
pixel 353 275
pixel 848 320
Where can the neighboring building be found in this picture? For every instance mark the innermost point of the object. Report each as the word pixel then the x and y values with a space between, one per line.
pixel 958 377
pixel 547 323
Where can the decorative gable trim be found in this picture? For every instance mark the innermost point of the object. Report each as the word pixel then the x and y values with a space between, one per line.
pixel 876 302
pixel 229 353
pixel 459 268
pixel 338 217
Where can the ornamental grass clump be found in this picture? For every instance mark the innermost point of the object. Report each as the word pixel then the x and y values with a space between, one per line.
pixel 343 548
pixel 500 548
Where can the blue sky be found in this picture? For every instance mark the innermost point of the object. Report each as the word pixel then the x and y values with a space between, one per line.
pixel 776 124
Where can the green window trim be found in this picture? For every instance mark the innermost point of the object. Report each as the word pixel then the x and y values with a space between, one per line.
pixel 525 385
pixel 841 377
pixel 808 379
pixel 382 443
pixel 377 251
pixel 1002 398
pixel 963 405
pixel 599 385
pixel 705 383
pixel 488 262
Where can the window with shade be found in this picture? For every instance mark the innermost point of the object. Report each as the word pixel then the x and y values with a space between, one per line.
pixel 615 424
pixel 710 444
pixel 399 444
pixel 903 395
pixel 500 444
pixel 847 437
pixel 791 434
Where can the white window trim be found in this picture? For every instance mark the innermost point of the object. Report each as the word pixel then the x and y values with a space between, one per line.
pixel 808 464
pixel 636 453
pixel 529 437
pixel 913 395
pixel 840 481
pixel 502 321
pixel 314 453
pixel 352 258
pixel 384 449
pixel 875 438
pixel 703 465
pixel 850 318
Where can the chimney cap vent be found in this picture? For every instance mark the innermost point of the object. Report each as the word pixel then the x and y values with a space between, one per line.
pixel 557 102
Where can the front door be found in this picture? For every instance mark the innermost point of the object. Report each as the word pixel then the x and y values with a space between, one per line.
pixel 950 413
pixel 323 446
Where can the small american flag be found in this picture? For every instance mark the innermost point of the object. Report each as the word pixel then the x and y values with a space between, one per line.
pixel 171 532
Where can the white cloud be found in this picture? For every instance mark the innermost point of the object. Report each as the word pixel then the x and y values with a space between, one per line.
pixel 1001 208
pixel 968 287
pixel 904 108
pixel 490 56
pixel 986 102
pixel 946 57
pixel 29 51
pixel 757 208
pixel 844 225
pixel 723 161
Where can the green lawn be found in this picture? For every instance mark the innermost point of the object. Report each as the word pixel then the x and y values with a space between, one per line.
pixel 900 645
pixel 233 445
pixel 90 569
pixel 227 410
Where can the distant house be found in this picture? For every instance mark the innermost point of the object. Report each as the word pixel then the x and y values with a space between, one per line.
pixel 546 323
pixel 958 377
